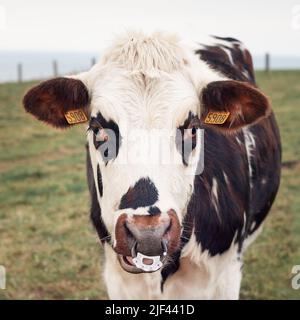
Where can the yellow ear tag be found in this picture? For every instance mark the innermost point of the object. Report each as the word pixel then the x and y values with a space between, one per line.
pixel 76 116
pixel 216 117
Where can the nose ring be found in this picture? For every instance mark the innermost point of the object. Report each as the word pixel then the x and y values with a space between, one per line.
pixel 138 259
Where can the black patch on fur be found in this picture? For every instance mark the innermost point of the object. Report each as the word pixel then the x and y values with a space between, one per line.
pixel 95 212
pixel 229 39
pixel 99 178
pixel 219 63
pixel 218 59
pixel 142 194
pixel 215 228
pixel 266 168
pixel 174 262
pixel 242 60
pixel 170 268
pixel 154 210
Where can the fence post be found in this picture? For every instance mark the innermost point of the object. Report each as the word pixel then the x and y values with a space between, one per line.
pixel 55 68
pixel 93 61
pixel 20 72
pixel 267 62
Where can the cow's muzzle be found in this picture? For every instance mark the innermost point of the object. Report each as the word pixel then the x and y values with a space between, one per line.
pixel 143 242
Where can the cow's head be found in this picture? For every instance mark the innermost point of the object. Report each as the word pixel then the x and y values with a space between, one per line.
pixel 143 91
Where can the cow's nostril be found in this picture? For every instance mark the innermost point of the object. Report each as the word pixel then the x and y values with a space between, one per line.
pixel 127 230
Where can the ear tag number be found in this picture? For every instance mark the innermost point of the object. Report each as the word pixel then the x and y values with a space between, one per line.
pixel 216 117
pixel 76 116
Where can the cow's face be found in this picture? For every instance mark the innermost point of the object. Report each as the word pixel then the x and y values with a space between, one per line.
pixel 137 127
pixel 145 145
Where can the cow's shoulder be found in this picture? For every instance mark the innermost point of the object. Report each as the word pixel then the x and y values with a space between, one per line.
pixel 228 56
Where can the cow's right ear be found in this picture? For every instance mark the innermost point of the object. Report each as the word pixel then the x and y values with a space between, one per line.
pixel 230 105
pixel 60 102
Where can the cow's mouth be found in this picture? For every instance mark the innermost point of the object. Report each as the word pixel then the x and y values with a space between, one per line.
pixel 128 264
pixel 138 262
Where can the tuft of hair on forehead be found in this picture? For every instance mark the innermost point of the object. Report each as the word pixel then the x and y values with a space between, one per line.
pixel 138 52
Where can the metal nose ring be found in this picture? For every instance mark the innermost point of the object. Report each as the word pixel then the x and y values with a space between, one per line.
pixel 138 259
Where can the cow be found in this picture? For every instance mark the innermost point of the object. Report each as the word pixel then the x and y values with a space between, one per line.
pixel 178 229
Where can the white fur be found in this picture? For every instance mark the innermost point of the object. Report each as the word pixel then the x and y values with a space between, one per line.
pixel 214 197
pixel 226 178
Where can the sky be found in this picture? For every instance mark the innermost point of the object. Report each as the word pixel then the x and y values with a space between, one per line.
pixel 90 25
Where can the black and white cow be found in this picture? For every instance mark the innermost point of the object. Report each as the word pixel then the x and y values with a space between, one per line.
pixel 171 230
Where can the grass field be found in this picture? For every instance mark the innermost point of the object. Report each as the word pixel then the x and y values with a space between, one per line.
pixel 47 244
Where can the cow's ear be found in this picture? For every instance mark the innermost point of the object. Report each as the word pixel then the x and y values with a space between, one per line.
pixel 61 102
pixel 230 105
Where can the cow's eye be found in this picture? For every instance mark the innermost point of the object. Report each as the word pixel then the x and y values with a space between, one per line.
pixel 191 132
pixel 106 137
pixel 186 139
pixel 101 135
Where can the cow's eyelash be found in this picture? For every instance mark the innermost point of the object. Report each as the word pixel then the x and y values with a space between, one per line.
pixel 94 126
pixel 190 124
pixel 93 129
pixel 89 129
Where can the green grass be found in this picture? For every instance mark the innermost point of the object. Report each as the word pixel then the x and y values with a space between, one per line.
pixel 268 263
pixel 47 244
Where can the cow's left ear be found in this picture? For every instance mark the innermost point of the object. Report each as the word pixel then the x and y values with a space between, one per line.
pixel 61 102
pixel 229 105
